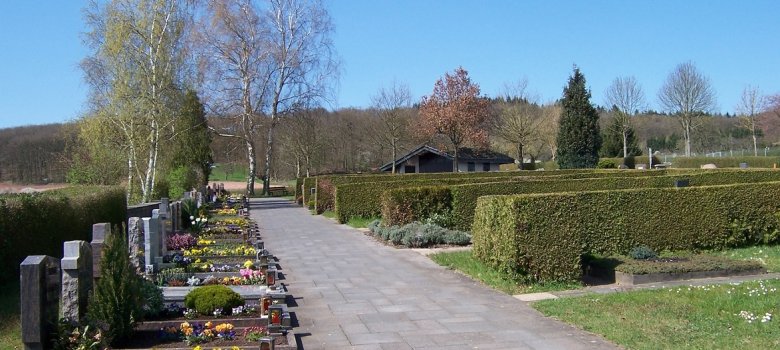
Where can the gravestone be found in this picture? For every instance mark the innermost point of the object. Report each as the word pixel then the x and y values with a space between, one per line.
pixel 76 279
pixel 152 252
pixel 135 242
pixel 99 234
pixel 40 291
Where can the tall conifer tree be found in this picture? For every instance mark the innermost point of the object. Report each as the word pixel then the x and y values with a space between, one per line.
pixel 579 137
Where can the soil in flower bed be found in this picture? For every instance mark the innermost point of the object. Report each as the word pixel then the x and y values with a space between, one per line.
pixel 167 319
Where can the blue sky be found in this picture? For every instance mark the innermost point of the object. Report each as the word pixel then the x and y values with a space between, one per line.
pixel 734 43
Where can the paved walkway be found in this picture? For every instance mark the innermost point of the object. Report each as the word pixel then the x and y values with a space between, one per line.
pixel 355 293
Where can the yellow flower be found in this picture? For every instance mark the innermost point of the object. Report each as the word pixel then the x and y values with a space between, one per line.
pixel 209 324
pixel 197 348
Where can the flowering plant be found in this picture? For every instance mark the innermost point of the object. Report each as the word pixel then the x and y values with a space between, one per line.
pixel 254 334
pixel 181 241
pixel 198 224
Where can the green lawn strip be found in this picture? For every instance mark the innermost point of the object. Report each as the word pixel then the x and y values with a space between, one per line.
pixel 329 214
pixel 228 172
pixel 768 255
pixel 464 262
pixel 360 222
pixel 702 317
pixel 10 321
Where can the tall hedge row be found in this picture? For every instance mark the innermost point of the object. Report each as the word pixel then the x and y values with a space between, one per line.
pixel 364 199
pixel 545 235
pixel 464 197
pixel 38 224
pixel 326 184
pixel 400 207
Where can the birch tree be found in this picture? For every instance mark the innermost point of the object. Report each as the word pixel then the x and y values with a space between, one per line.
pixel 625 96
pixel 269 59
pixel 233 59
pixel 392 107
pixel 688 95
pixel 134 73
pixel 750 105
pixel 518 120
pixel 302 62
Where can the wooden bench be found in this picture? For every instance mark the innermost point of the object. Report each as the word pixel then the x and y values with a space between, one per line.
pixel 277 191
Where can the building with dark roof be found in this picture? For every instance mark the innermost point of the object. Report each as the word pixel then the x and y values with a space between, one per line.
pixel 427 159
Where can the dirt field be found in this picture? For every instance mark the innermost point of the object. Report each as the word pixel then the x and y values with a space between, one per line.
pixel 7 187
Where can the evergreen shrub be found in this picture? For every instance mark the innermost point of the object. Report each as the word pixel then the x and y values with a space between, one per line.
pixel 116 303
pixel 207 300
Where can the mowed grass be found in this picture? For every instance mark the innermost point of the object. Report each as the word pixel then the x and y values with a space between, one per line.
pixel 360 222
pixel 464 262
pixel 10 321
pixel 729 316
pixel 768 255
pixel 228 172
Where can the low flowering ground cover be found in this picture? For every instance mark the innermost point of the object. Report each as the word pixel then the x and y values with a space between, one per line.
pixel 727 316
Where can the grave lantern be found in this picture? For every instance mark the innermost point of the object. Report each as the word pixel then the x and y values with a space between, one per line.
pixel 267 343
pixel 265 303
pixel 260 246
pixel 275 316
pixel 270 277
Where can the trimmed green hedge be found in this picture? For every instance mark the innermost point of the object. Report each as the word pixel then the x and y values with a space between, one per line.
pixel 725 162
pixel 402 207
pixel 298 194
pixel 326 184
pixel 464 197
pixel 545 235
pixel 364 199
pixel 38 224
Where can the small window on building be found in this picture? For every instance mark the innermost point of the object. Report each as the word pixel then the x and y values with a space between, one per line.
pixel 471 166
pixel 485 166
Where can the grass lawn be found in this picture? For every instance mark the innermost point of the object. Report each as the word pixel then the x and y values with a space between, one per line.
pixel 360 222
pixel 228 172
pixel 10 323
pixel 329 214
pixel 769 255
pixel 465 263
pixel 744 316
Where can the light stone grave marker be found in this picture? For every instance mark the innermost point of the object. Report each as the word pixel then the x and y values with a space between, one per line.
pixel 76 279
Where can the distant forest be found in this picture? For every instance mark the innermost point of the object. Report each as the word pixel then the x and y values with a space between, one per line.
pixel 351 140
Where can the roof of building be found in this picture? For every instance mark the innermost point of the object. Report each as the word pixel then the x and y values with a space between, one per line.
pixel 465 154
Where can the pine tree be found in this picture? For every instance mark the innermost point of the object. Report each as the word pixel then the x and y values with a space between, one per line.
pixel 579 137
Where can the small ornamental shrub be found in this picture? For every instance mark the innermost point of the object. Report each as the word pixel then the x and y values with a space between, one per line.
pixel 213 299
pixel 373 225
pixel 629 162
pixel 153 296
pixel 642 252
pixel 457 238
pixel 606 164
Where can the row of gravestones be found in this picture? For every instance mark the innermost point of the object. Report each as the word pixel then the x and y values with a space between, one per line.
pixel 52 288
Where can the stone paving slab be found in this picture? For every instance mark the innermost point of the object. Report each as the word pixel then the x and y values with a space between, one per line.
pixel 355 293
